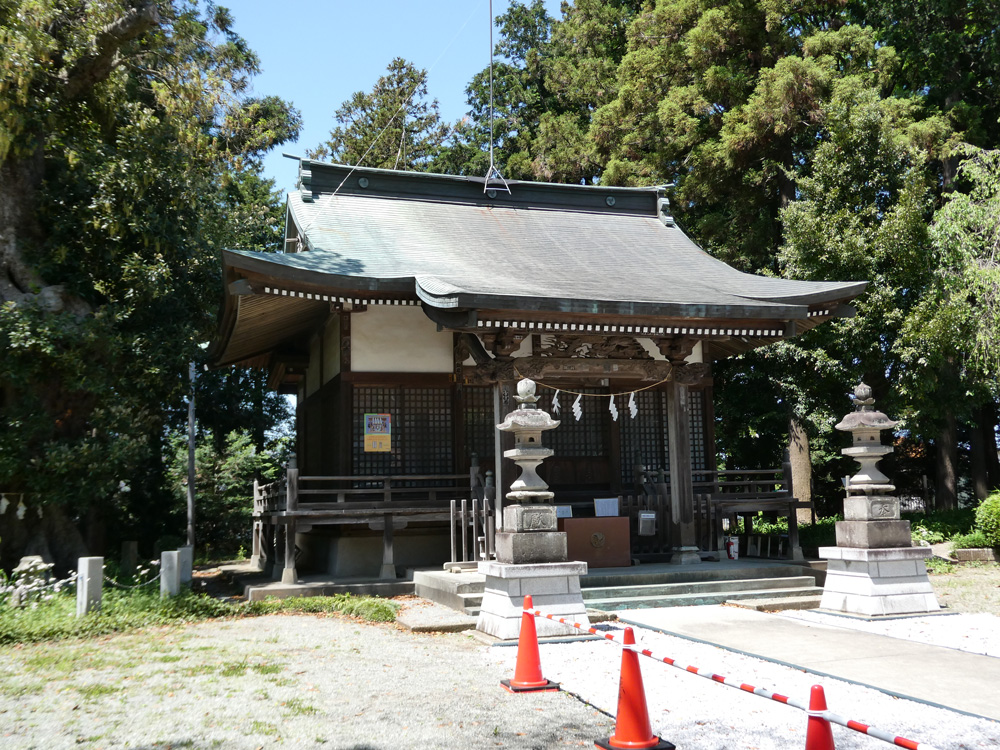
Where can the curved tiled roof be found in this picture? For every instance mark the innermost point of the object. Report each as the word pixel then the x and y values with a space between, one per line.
pixel 512 252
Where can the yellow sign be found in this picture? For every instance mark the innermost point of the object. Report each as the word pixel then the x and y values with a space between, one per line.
pixel 378 433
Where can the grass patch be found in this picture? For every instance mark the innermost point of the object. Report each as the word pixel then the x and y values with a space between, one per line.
pixel 198 670
pixel 13 689
pixel 122 611
pixel 96 690
pixel 938 565
pixel 970 587
pixel 234 669
pixel 298 707
pixel 370 608
pixel 70 660
pixel 267 668
pixel 263 727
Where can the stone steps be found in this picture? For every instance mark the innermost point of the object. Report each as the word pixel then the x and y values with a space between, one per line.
pixel 700 598
pixel 778 604
pixel 667 590
pixel 462 590
pixel 611 590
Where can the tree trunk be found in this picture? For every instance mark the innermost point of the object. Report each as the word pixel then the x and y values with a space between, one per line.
pixel 801 465
pixel 946 464
pixel 988 427
pixel 978 447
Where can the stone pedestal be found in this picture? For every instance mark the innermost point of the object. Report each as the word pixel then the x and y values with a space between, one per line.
pixel 873 582
pixel 529 535
pixel 554 589
pixel 872 523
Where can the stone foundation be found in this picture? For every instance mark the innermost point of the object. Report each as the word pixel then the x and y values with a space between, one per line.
pixel 874 582
pixel 554 589
pixel 531 547
pixel 873 534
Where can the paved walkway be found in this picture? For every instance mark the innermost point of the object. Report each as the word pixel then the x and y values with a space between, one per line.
pixel 945 677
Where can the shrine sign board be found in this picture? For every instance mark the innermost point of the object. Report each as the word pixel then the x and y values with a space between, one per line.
pixel 378 433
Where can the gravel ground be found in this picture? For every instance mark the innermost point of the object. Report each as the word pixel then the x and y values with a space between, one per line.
pixel 976 633
pixel 292 681
pixel 324 682
pixel 693 712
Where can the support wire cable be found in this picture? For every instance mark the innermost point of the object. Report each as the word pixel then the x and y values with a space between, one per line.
pixel 493 170
pixel 411 92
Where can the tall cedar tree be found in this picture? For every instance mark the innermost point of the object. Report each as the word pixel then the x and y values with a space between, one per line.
pixel 390 127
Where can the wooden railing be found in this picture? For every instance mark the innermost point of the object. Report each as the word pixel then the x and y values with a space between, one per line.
pixel 718 495
pixel 376 500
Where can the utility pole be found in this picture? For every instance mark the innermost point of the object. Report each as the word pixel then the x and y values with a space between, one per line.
pixel 192 376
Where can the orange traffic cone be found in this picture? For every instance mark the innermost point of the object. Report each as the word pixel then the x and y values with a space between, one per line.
pixel 632 728
pixel 819 736
pixel 528 672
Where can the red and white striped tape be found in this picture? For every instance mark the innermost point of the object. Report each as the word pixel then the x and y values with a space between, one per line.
pixel 830 716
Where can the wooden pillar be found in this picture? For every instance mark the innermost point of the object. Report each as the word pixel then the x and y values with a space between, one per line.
pixel 681 481
pixel 500 471
pixel 388 571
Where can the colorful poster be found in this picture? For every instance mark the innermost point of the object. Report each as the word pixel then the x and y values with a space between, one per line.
pixel 378 433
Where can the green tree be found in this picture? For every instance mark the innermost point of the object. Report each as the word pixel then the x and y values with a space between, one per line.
pixel 391 127
pixel 551 76
pixel 519 98
pixel 726 100
pixel 123 130
pixel 955 326
pixel 862 212
pixel 225 469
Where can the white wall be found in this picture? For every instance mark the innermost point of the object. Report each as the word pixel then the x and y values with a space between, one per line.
pixel 387 338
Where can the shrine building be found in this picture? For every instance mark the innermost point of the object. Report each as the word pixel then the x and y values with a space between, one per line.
pixel 405 307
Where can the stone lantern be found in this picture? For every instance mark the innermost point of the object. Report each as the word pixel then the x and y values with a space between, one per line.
pixel 874 569
pixel 528 422
pixel 872 517
pixel 529 522
pixel 531 551
pixel 866 425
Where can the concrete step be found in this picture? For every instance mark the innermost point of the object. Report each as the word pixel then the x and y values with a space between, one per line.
pixel 613 604
pixel 779 604
pixel 637 576
pixel 696 587
pixel 460 591
pixel 471 603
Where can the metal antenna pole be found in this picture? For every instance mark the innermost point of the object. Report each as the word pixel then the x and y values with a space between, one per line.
pixel 493 169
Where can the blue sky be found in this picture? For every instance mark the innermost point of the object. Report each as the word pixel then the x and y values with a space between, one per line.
pixel 316 53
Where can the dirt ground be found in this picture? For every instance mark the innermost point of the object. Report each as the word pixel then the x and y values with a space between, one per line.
pixel 969 587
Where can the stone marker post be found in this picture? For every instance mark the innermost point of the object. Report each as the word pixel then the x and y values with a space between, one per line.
pixel 89 580
pixel 170 573
pixel 130 558
pixel 531 552
pixel 874 569
pixel 185 561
